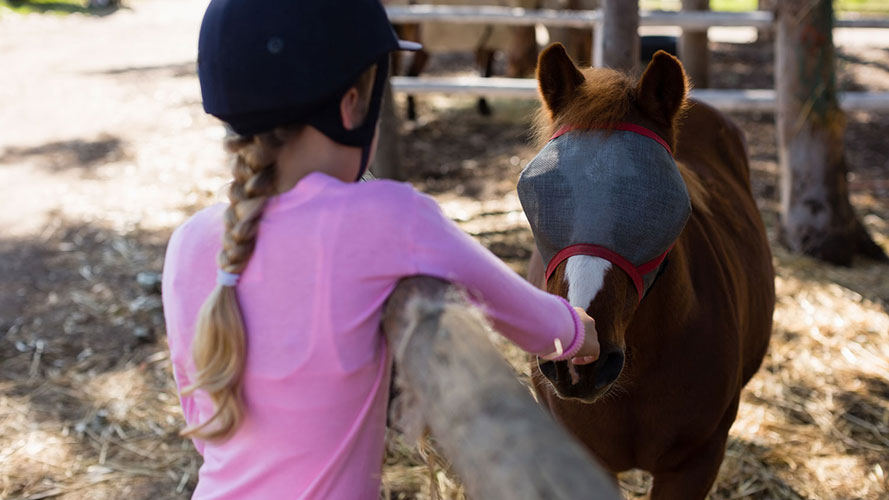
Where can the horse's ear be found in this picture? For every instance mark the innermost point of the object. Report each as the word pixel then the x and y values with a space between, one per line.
pixel 557 77
pixel 662 88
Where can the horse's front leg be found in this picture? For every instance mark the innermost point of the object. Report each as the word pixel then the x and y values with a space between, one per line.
pixel 692 478
pixel 418 63
pixel 485 60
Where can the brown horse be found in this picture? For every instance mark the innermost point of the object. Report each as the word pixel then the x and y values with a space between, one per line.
pixel 666 387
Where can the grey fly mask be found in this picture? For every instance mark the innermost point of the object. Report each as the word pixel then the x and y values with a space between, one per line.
pixel 615 194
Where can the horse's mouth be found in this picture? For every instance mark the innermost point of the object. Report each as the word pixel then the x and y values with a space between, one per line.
pixel 576 382
pixel 587 399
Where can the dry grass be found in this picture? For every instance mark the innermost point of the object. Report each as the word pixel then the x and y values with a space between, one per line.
pixel 78 434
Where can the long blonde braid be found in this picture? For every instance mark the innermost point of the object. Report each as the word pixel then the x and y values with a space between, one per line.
pixel 219 347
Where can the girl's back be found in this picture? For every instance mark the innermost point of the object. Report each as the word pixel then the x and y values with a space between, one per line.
pixel 317 371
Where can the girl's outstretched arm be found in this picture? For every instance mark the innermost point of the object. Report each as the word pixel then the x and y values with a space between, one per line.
pixel 538 322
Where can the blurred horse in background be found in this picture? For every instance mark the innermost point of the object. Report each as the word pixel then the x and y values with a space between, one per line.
pixel 520 44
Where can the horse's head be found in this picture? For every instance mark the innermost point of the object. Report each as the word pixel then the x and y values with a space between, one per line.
pixel 604 198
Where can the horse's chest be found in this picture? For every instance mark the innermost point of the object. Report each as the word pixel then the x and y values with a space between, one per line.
pixel 635 433
pixel 664 402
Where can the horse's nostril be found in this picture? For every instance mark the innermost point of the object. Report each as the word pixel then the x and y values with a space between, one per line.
pixel 610 368
pixel 548 369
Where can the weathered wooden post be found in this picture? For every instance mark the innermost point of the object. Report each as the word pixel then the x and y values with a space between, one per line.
pixel 387 162
pixel 485 423
pixel 617 36
pixel 817 218
pixel 766 34
pixel 693 49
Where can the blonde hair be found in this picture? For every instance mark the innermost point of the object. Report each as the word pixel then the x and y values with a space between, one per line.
pixel 219 347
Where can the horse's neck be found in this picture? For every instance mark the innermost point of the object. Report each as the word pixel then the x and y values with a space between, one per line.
pixel 665 311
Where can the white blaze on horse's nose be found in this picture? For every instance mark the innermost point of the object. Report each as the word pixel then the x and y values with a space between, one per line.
pixel 585 276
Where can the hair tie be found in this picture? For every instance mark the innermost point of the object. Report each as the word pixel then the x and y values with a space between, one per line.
pixel 226 279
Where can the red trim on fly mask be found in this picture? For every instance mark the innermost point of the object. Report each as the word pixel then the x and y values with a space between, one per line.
pixel 626 127
pixel 635 273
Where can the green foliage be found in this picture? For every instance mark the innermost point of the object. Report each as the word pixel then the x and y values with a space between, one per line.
pixel 733 5
pixel 868 6
pixel 874 6
pixel 730 5
pixel 60 7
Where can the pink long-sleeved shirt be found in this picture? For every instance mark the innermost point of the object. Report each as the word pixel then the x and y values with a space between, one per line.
pixel 317 374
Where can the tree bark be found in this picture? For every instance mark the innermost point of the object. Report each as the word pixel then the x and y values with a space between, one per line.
pixel 817 218
pixel 484 422
pixel 766 34
pixel 693 49
pixel 620 35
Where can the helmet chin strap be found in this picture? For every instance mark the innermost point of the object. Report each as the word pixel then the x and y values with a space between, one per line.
pixel 365 159
pixel 373 113
pixel 329 121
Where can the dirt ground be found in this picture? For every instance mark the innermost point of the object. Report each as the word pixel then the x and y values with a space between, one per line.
pixel 104 149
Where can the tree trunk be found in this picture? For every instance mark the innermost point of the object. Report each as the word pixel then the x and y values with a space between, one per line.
pixel 693 49
pixel 500 443
pixel 620 35
pixel 766 34
pixel 817 218
pixel 387 161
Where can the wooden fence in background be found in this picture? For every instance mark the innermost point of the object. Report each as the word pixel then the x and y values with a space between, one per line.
pixel 725 99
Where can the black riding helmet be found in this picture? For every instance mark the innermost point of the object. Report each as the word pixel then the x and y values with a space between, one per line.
pixel 269 63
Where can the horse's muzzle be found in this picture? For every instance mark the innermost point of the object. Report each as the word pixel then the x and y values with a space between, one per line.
pixel 588 382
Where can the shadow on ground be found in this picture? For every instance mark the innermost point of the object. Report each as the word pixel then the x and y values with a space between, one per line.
pixel 74 154
pixel 178 70
pixel 88 408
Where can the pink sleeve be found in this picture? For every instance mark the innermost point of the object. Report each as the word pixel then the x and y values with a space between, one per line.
pixel 180 351
pixel 529 317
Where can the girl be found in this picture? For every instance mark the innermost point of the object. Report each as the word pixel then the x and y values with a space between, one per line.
pixel 276 345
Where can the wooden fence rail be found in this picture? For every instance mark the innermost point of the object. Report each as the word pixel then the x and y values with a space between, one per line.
pixel 500 443
pixel 482 14
pixel 729 100
pixel 516 16
pixel 723 99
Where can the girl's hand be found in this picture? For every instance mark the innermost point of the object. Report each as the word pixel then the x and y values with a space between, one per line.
pixel 589 351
